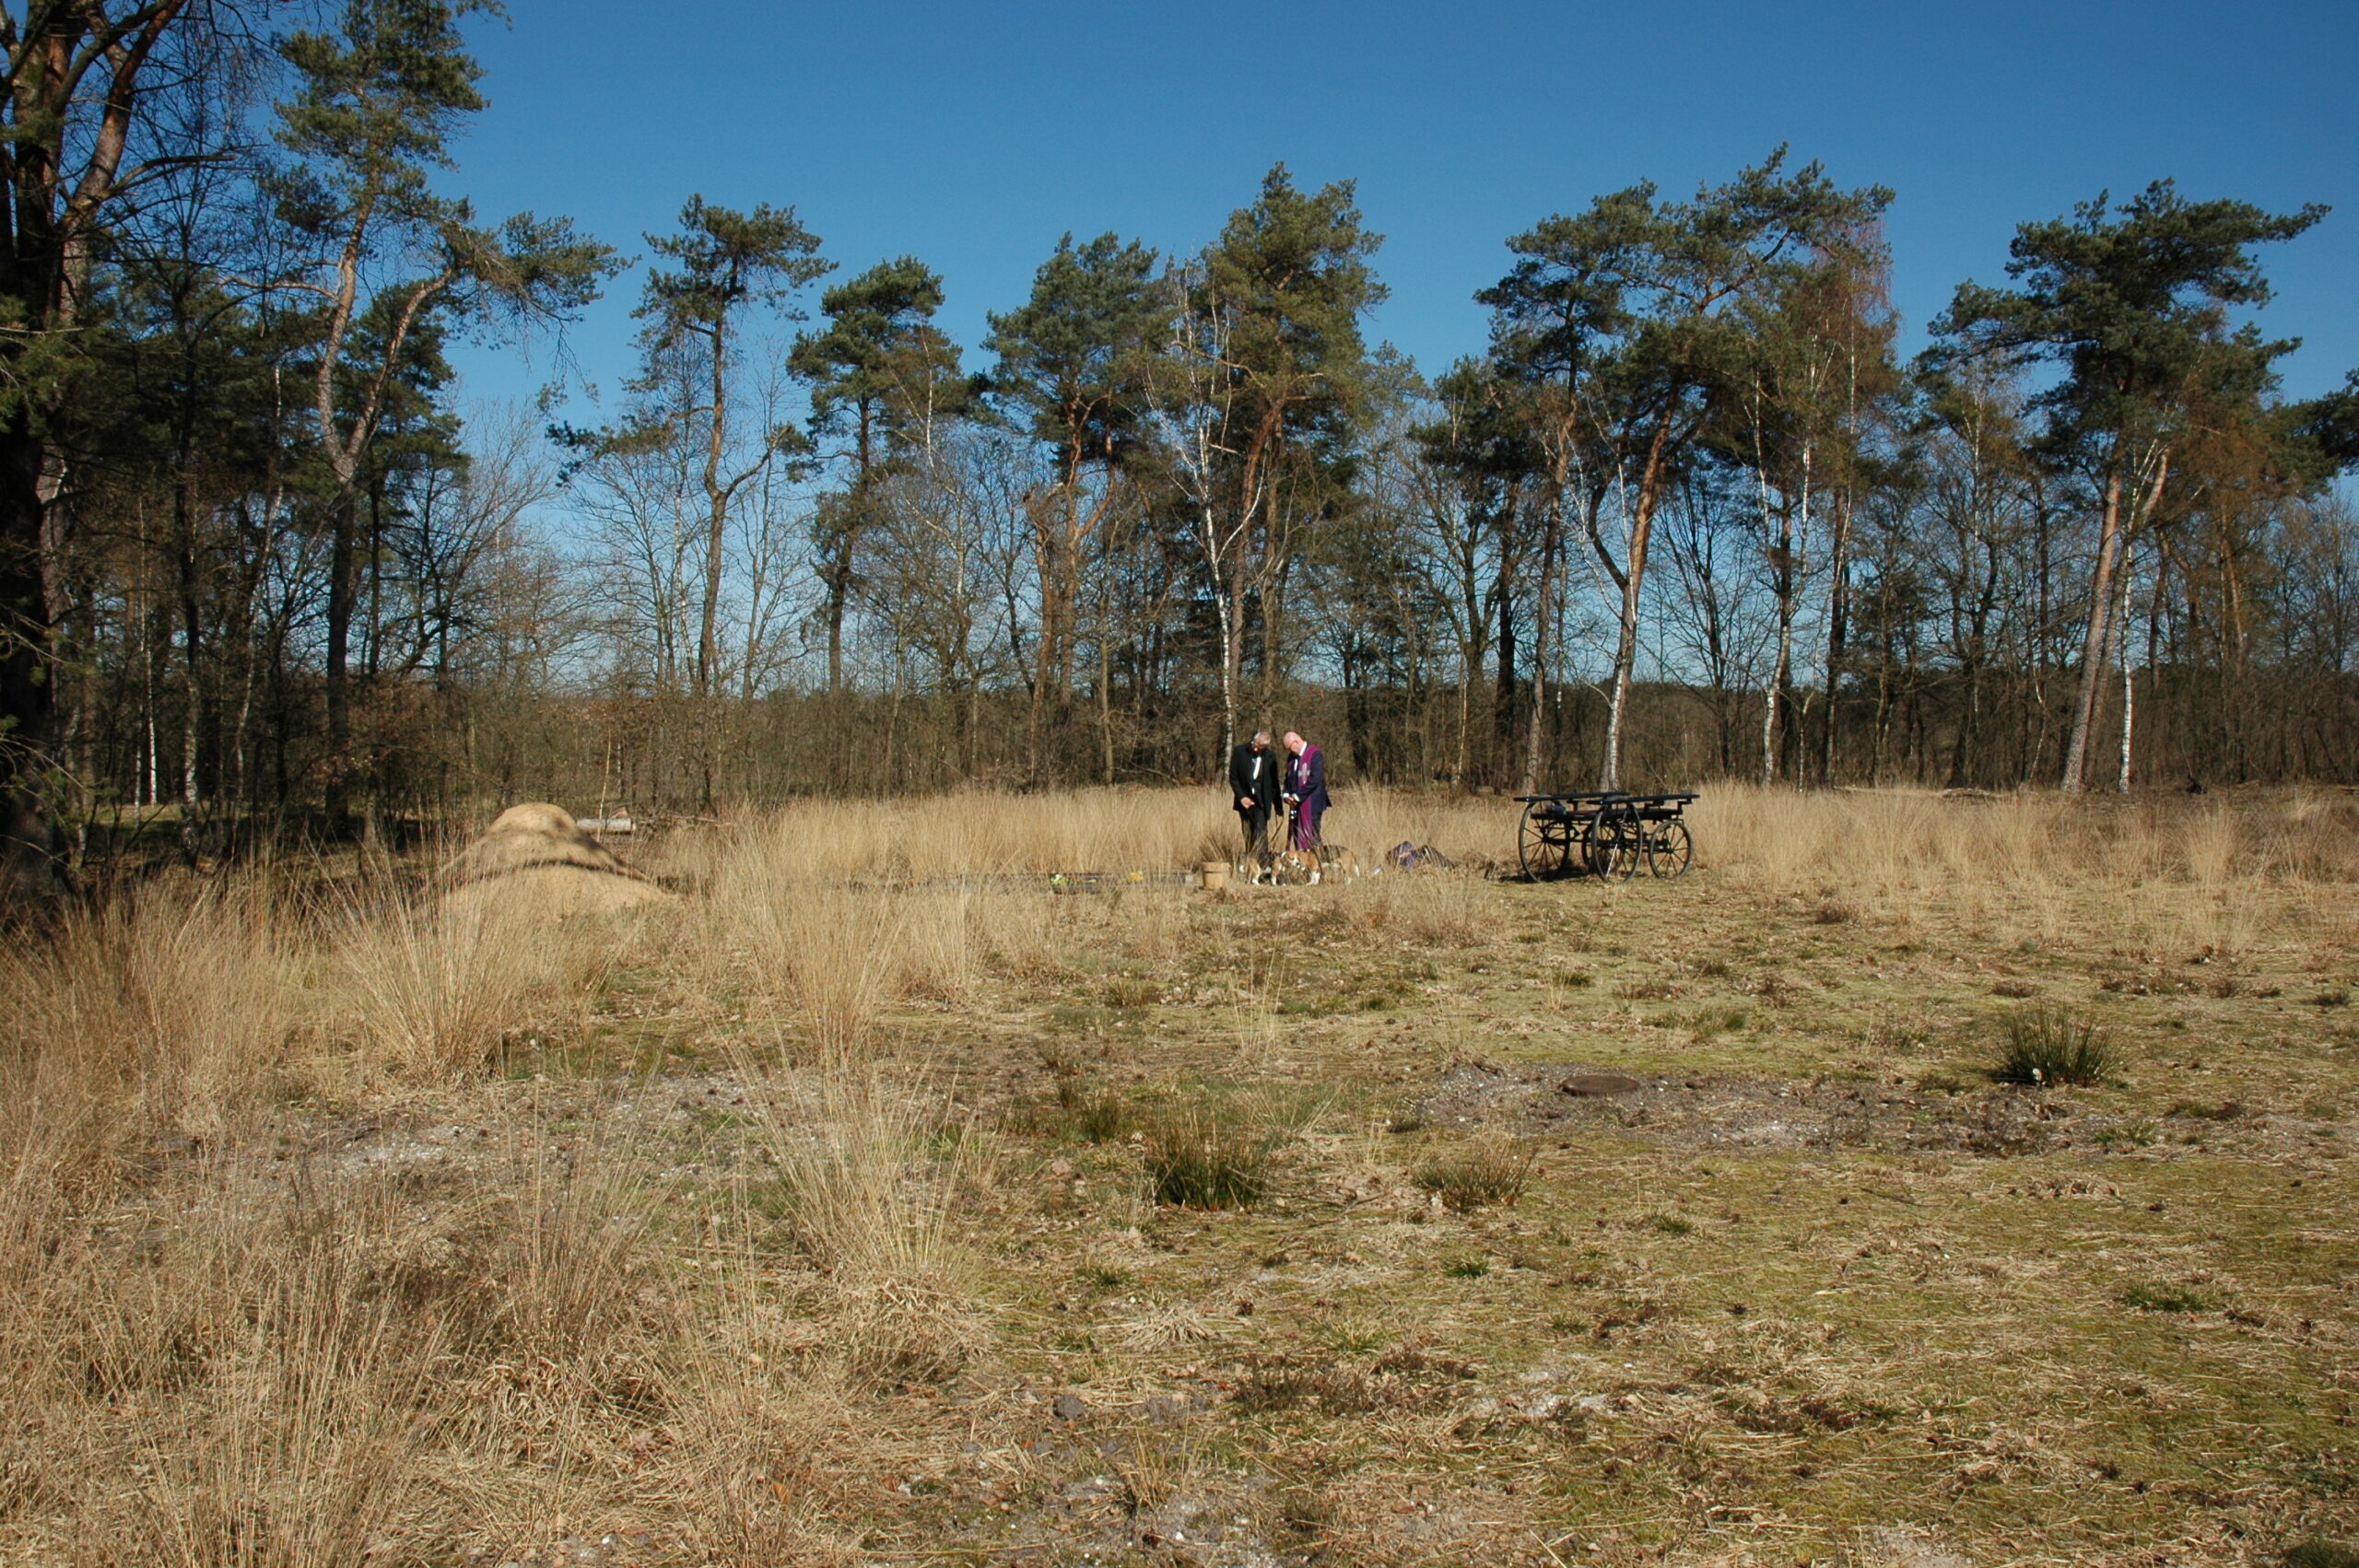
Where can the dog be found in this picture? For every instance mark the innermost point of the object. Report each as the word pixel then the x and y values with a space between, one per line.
pixel 1296 868
pixel 1279 868
pixel 1301 868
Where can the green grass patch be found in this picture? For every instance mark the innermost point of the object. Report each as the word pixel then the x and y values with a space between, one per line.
pixel 2136 1134
pixel 1127 991
pixel 1100 1118
pixel 2320 1554
pixel 2048 1046
pixel 2165 1298
pixel 1488 1171
pixel 1213 1149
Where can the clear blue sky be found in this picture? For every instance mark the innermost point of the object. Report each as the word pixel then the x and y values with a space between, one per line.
pixel 973 135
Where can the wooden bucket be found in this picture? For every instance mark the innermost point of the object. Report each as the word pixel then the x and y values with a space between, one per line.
pixel 1215 875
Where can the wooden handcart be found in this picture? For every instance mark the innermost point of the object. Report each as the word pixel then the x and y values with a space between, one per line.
pixel 1605 833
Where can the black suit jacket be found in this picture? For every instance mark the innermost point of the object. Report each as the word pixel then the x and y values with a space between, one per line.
pixel 1245 783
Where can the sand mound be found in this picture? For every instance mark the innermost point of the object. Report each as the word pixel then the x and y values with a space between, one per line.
pixel 536 859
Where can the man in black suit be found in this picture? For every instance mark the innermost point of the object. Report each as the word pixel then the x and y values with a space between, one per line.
pixel 1253 791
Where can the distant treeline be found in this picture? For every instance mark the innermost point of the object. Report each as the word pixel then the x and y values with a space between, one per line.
pixel 1687 514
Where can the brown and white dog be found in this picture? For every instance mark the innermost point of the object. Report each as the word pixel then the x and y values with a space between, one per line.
pixel 1302 868
pixel 1296 868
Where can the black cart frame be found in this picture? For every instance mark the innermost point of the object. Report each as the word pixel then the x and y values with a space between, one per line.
pixel 1605 833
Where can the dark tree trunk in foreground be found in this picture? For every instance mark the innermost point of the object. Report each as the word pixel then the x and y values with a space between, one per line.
pixel 71 83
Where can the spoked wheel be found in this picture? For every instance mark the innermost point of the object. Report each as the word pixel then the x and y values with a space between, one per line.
pixel 1617 842
pixel 1670 850
pixel 1545 841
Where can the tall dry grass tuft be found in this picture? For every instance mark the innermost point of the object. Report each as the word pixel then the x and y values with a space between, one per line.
pixel 869 1175
pixel 2306 836
pixel 936 944
pixel 1026 935
pixel 770 1446
pixel 241 1388
pixel 1906 841
pixel 833 954
pixel 570 1244
pixel 968 835
pixel 1441 911
pixel 156 1020
pixel 2211 847
pixel 873 1175
pixel 304 1445
pixel 838 954
pixel 431 987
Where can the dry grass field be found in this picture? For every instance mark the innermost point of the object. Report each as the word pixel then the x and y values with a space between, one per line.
pixel 882 1199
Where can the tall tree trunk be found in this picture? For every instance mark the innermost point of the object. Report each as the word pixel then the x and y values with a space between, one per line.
pixel 1969 708
pixel 1544 620
pixel 29 850
pixel 2093 644
pixel 836 575
pixel 717 494
pixel 716 516
pixel 1503 694
pixel 1776 701
pixel 1228 610
pixel 192 712
pixel 1838 615
pixel 337 681
pixel 843 555
pixel 1625 646
pixel 2129 686
pixel 1461 762
pixel 1106 707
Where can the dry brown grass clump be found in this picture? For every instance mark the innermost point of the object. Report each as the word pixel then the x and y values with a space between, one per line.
pixel 433 989
pixel 1482 1171
pixel 985 834
pixel 1906 840
pixel 158 1018
pixel 277 1378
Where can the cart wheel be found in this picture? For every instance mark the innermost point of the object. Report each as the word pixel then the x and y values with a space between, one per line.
pixel 1670 850
pixel 1545 841
pixel 1617 842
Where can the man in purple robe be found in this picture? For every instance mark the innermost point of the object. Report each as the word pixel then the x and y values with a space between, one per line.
pixel 1306 789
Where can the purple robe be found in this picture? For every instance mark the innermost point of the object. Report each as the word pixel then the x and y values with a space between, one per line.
pixel 1307 786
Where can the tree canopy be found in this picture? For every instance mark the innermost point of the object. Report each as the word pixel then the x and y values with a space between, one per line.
pixel 1683 510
